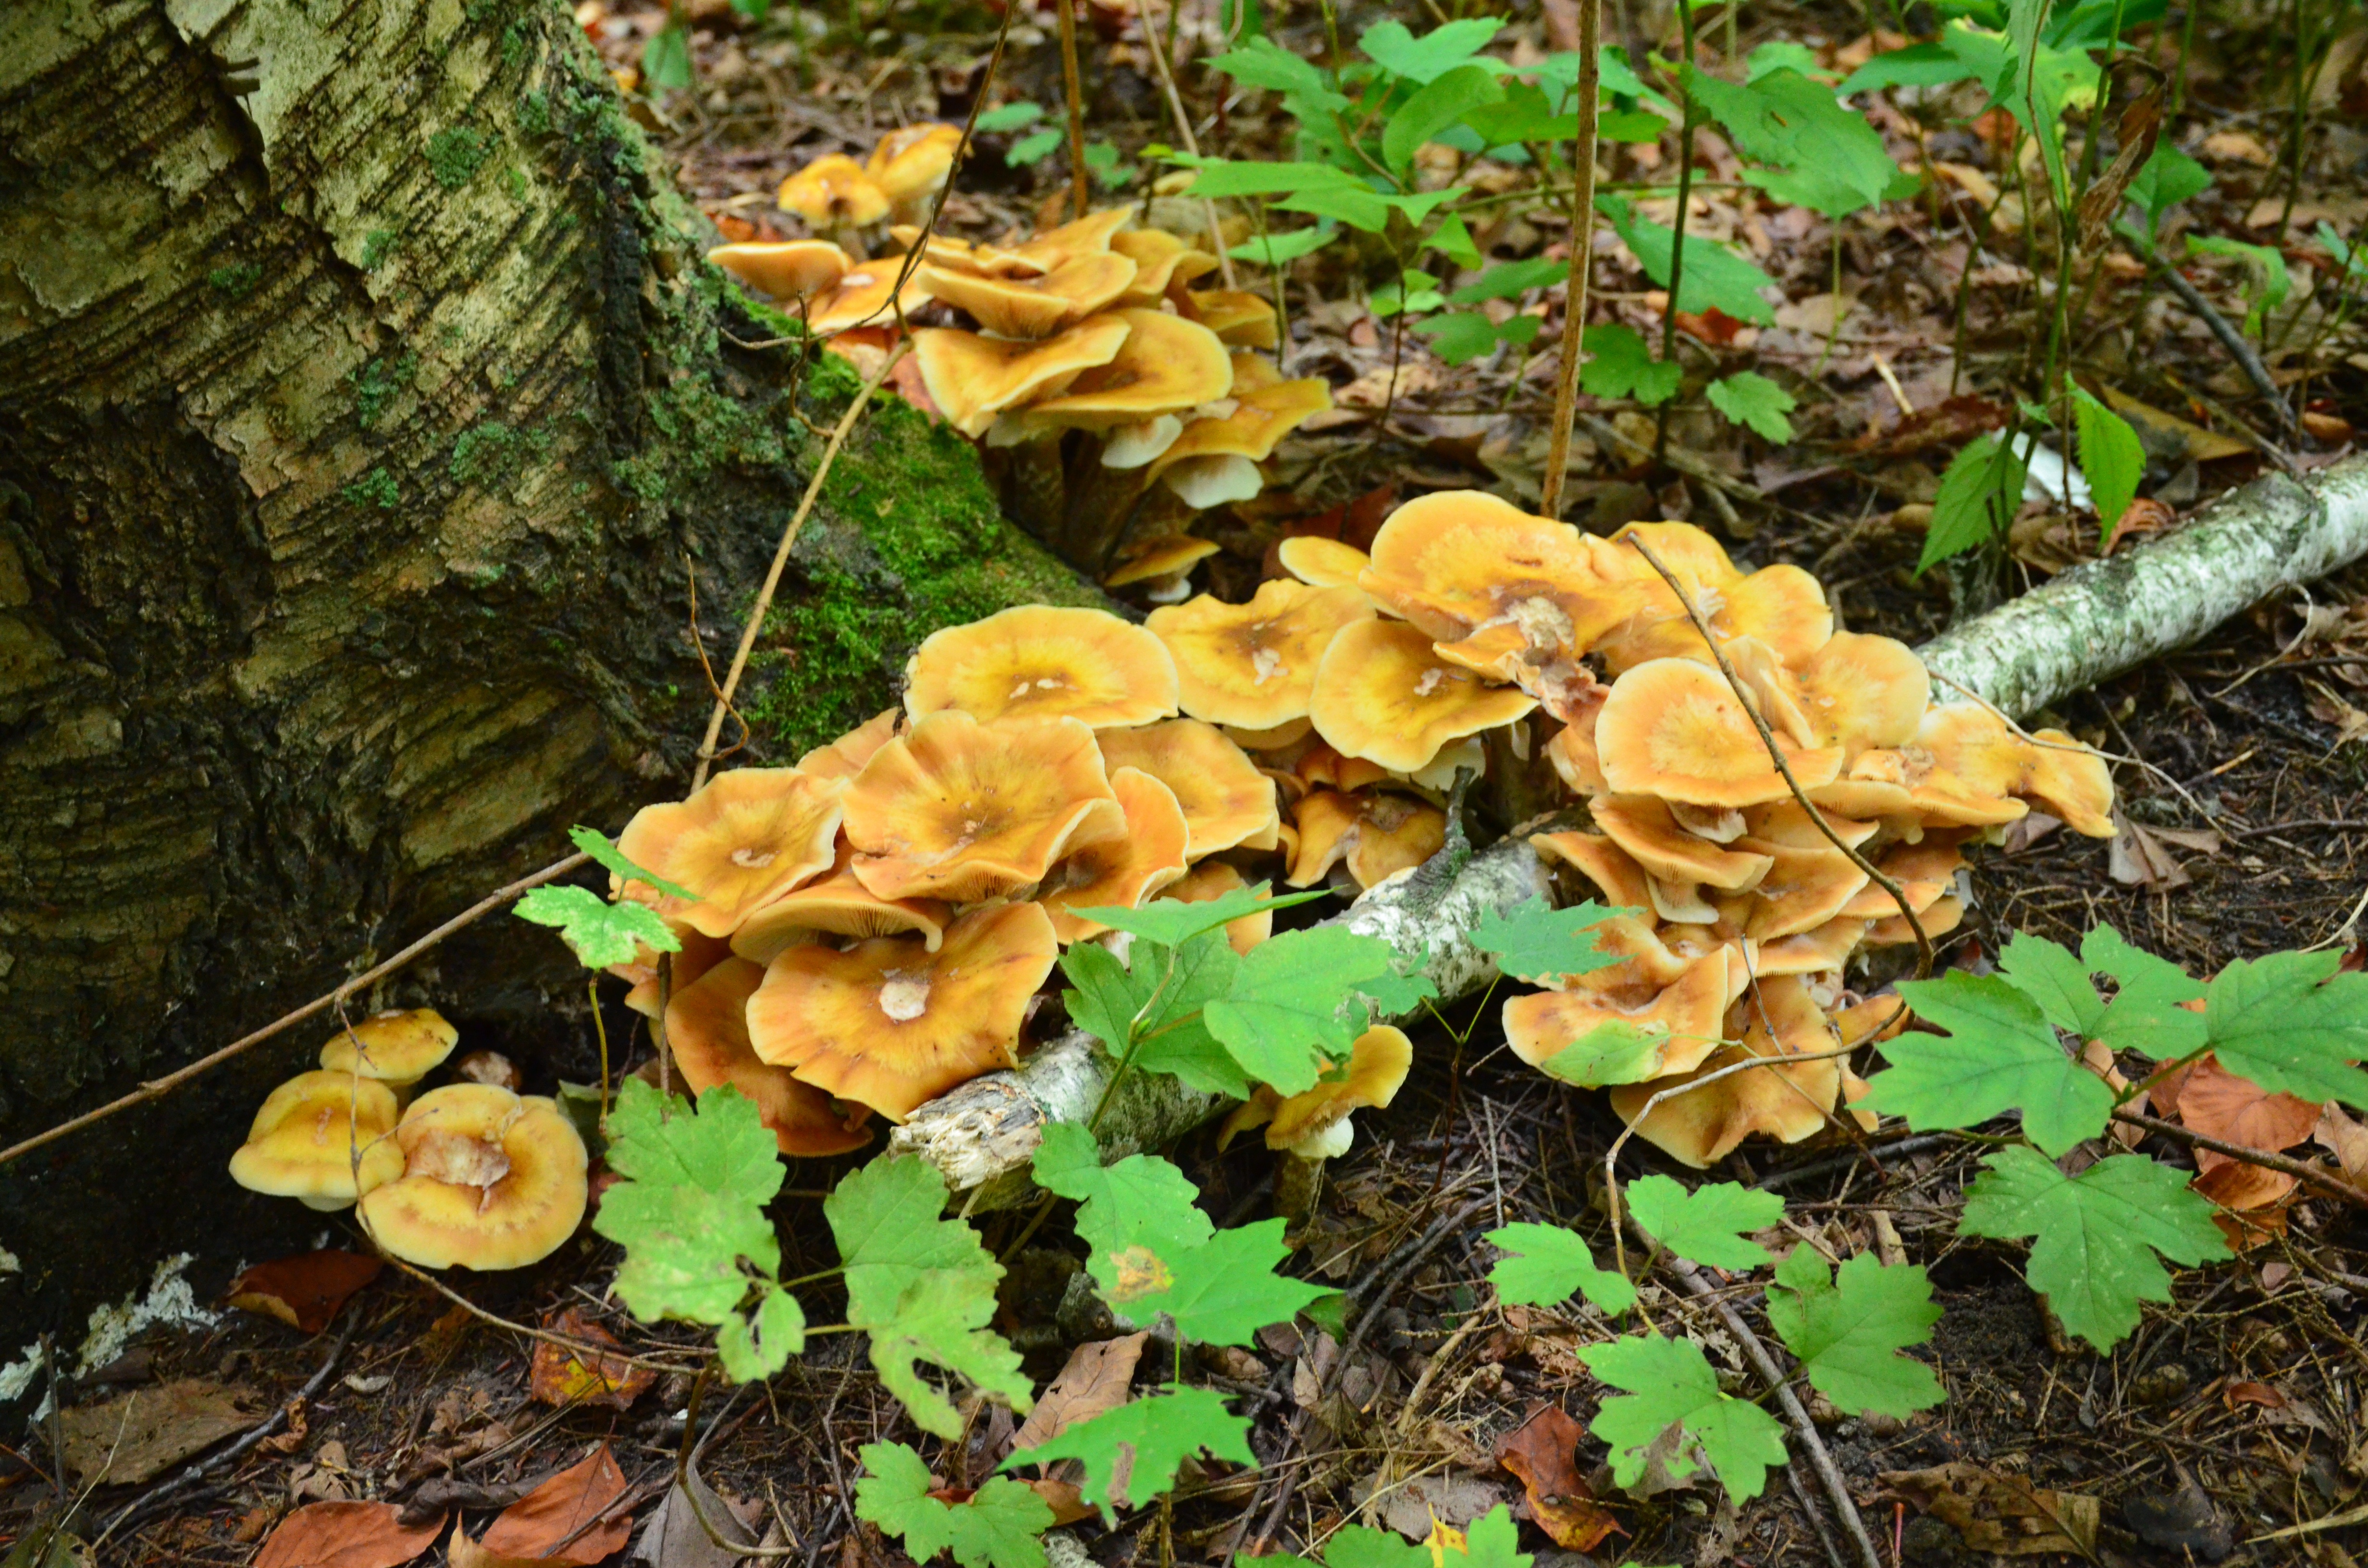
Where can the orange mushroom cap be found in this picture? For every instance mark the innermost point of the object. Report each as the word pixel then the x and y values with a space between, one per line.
pixel 1690 1011
pixel 834 191
pixel 1924 871
pixel 1121 872
pixel 1376 835
pixel 973 379
pixel 1644 827
pixel 845 757
pixel 837 905
pixel 1244 319
pixel 1781 607
pixel 1860 691
pixel 698 955
pixel 707 1030
pixel 1272 738
pixel 1160 260
pixel 1227 802
pixel 305 1139
pixel 890 1024
pixel 1909 784
pixel 1674 728
pixel 1600 862
pixel 868 296
pixel 1381 693
pixel 2050 770
pixel 1044 661
pixel 491 1179
pixel 1939 918
pixel 1572 755
pixel 1802 890
pixel 961 811
pixel 786 269
pixel 965 255
pixel 1032 307
pixel 397 1047
pixel 1260 418
pixel 1789 1102
pixel 1787 823
pixel 1167 365
pixel 1090 235
pixel 1155 560
pixel 1320 765
pixel 912 165
pixel 1876 1018
pixel 1322 562
pixel 1457 560
pixel 1213 880
pixel 1314 1123
pixel 1254 665
pixel 1811 952
pixel 748 836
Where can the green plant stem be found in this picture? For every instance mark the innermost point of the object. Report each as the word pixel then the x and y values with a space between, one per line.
pixel 600 1028
pixel 1692 117
pixel 1081 184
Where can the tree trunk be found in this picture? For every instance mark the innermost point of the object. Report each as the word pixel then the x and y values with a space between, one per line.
pixel 367 413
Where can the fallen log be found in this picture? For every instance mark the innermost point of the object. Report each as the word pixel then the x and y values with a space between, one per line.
pixel 2086 625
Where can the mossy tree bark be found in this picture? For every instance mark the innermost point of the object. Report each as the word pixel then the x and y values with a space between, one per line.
pixel 369 415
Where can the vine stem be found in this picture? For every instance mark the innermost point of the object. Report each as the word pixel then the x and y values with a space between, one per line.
pixel 1582 254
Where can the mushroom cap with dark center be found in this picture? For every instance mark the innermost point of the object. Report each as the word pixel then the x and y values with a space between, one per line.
pixel 707 1030
pixel 891 1025
pixel 490 1180
pixel 1254 665
pixel 1227 802
pixel 1860 691
pixel 1457 560
pixel 745 837
pixel 303 1141
pixel 1119 872
pixel 1043 662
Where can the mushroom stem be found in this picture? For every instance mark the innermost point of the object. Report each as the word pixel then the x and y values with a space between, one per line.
pixel 1298 1183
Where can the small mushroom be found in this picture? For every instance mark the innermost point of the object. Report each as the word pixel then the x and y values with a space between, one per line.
pixel 745 838
pixel 1031 307
pixel 1041 662
pixel 396 1048
pixel 912 165
pixel 320 1138
pixel 1227 802
pixel 1119 872
pixel 1213 879
pixel 1375 835
pixel 1161 262
pixel 1690 1010
pixel 1787 1103
pixel 490 1180
pixel 1322 562
pixel 1161 567
pixel 1313 1125
pixel 1381 693
pixel 961 811
pixel 707 1029
pixel 1675 729
pixel 1242 319
pixel 1245 436
pixel 1321 768
pixel 869 295
pixel 973 379
pixel 890 1024
pixel 1253 665
pixel 835 197
pixel 837 905
pixel 786 269
pixel 2051 770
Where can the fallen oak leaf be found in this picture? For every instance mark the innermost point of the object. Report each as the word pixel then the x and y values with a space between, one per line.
pixel 347 1535
pixel 1095 1378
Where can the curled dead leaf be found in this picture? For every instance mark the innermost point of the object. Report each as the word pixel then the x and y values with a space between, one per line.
pixel 2000 1513
pixel 346 1535
pixel 1540 1452
pixel 305 1291
pixel 562 1376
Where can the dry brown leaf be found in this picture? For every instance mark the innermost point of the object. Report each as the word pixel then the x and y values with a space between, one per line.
pixel 1540 1451
pixel 1093 1379
pixel 562 1376
pixel 2346 1140
pixel 558 1521
pixel 138 1434
pixel 346 1535
pixel 303 1291
pixel 1998 1513
pixel 2218 1104
pixel 2251 1202
pixel 2139 857
pixel 2238 147
pixel 2348 723
pixel 2261 1394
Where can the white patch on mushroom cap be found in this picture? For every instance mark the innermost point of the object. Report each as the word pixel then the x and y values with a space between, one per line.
pixel 904 995
pixel 1431 681
pixel 754 859
pixel 457 1159
pixel 1266 664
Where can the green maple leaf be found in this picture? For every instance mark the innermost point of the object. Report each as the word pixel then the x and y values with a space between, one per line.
pixel 2002 1053
pixel 1292 1009
pixel 1669 1383
pixel 1547 1265
pixel 1221 1292
pixel 1001 1525
pixel 1139 1202
pixel 922 1287
pixel 1360 1546
pixel 692 1206
pixel 2293 1025
pixel 1490 1541
pixel 2096 1233
pixel 1621 365
pixel 600 932
pixel 2143 1016
pixel 1154 997
pixel 1541 944
pixel 1754 402
pixel 1613 1051
pixel 1159 1431
pixel 759 1344
pixel 1705 1225
pixel 603 849
pixel 1848 1329
pixel 1171 922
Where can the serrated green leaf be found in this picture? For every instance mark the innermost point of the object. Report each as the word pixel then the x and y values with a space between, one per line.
pixel 759 1344
pixel 1171 922
pixel 1979 493
pixel 1220 1292
pixel 1460 337
pixel 1784 119
pixel 1490 1541
pixel 600 933
pixel 1139 1203
pixel 1449 47
pixel 1158 1431
pixel 1439 103
pixel 1360 1546
pixel 692 1206
pixel 1848 1330
pixel 1754 402
pixel 1523 115
pixel 2144 1015
pixel 1000 1526
pixel 604 851
pixel 2095 1235
pixel 2293 1025
pixel 1546 1265
pixel 1541 944
pixel 922 1287
pixel 1289 1011
pixel 1669 1383
pixel 1613 1051
pixel 1170 1036
pixel 1715 276
pixel 2000 1053
pixel 2109 456
pixel 1623 366
pixel 1708 1224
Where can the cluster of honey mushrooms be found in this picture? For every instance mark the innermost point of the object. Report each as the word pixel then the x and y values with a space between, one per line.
pixel 1108 394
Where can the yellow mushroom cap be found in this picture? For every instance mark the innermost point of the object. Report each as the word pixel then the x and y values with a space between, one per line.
pixel 1044 661
pixel 1924 871
pixel 890 1024
pixel 1313 1123
pixel 1121 872
pixel 1260 418
pixel 965 255
pixel 2051 769
pixel 748 836
pixel 863 298
pixel 1674 728
pixel 972 379
pixel 1572 755
pixel 1381 693
pixel 1645 965
pixel 302 1141
pixel 1781 607
pixel 834 191
pixel 1787 823
pixel 707 1030
pixel 913 163
pixel 490 1180
pixel 1811 952
pixel 845 757
pixel 1227 802
pixel 1032 307
pixel 1456 561
pixel 1214 879
pixel 1789 1103
pixel 1321 767
pixel 1150 560
pixel 1253 665
pixel 1802 890
pixel 398 1049
pixel 1167 366
pixel 961 811
pixel 1859 691
pixel 786 269
pixel 1322 562
pixel 699 954
pixel 1242 319
pixel 1600 862
pixel 1643 826
pixel 1690 1011
pixel 1160 260
pixel 1376 835
pixel 1939 918
pixel 837 905
pixel 1090 235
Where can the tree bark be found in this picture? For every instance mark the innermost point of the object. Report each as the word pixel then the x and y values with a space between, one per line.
pixel 368 419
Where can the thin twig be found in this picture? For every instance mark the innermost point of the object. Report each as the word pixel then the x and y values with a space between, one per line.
pixel 1582 255
pixel 584 1349
pixel 1081 185
pixel 764 604
pixel 1166 68
pixel 2231 339
pixel 371 977
pixel 2310 1175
